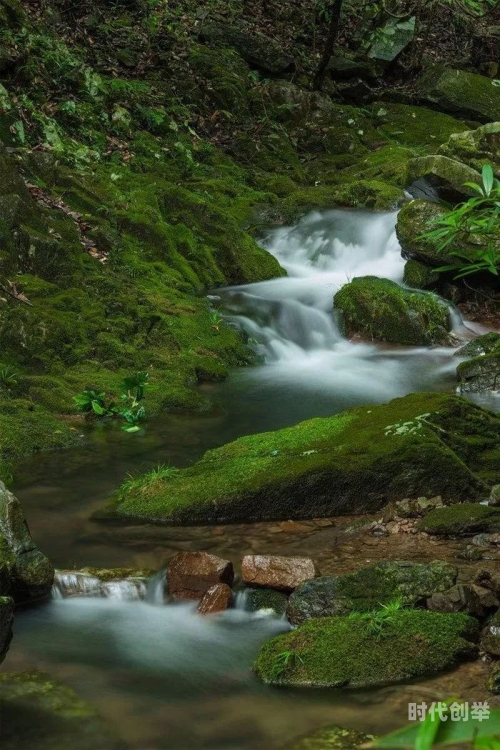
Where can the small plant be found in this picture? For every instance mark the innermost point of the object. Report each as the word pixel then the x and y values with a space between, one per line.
pixel 144 482
pixel 8 377
pixel 216 320
pixel 283 661
pixel 131 409
pixel 376 622
pixel 476 222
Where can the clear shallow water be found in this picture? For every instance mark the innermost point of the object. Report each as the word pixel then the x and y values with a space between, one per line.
pixel 162 675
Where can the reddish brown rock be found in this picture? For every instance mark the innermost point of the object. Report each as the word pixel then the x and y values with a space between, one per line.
pixel 217 599
pixel 282 573
pixel 191 574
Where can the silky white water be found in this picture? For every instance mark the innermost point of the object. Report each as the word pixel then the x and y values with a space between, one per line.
pixel 292 324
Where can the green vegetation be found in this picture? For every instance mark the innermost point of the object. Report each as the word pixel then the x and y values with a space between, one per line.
pixel 131 409
pixel 424 444
pixel 341 652
pixel 461 519
pixel 474 222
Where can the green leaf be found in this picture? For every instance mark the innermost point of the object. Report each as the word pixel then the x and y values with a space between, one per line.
pixel 488 178
pixel 449 733
pixel 131 428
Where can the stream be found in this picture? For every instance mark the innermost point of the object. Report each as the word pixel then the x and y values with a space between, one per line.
pixel 163 676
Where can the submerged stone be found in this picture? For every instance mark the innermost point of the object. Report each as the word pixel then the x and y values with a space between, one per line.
pixel 39 712
pixel 331 738
pixel 368 588
pixel 425 444
pixel 381 310
pixel 360 651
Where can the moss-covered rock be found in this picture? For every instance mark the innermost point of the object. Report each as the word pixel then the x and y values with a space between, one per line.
pixel 330 738
pixel 262 598
pixel 345 652
pixel 480 374
pixel 382 310
pixel 28 573
pixel 419 276
pixel 487 343
pixel 461 520
pixel 446 175
pixel 461 93
pixel 415 126
pixel 368 588
pixel 493 683
pixel 422 445
pixel 39 712
pixel 475 147
pixel 258 49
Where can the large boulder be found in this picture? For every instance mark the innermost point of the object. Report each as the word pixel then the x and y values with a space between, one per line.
pixel 368 588
pixel 364 650
pixel 191 574
pixel 281 573
pixel 446 177
pixel 27 574
pixel 461 93
pixel 217 599
pixel 422 445
pixel 381 310
pixel 39 712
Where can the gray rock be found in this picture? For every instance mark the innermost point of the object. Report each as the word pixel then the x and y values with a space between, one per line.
pixel 460 598
pixel 480 374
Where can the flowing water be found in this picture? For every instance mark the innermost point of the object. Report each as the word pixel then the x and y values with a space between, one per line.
pixel 162 675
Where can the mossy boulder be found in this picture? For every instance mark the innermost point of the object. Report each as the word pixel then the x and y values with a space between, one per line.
pixel 330 738
pixel 446 176
pixel 368 588
pixel 414 126
pixel 480 374
pixel 461 520
pixel 27 573
pixel 425 444
pixel 257 49
pixel 461 93
pixel 262 598
pixel 485 344
pixel 39 712
pixel 419 276
pixel 344 652
pixel 475 147
pixel 382 310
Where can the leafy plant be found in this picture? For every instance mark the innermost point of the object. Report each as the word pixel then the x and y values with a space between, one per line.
pixel 284 660
pixel 440 729
pixel 8 377
pixel 216 320
pixel 377 621
pixel 475 222
pixel 130 410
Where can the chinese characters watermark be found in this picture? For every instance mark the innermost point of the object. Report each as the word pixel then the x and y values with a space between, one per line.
pixel 455 711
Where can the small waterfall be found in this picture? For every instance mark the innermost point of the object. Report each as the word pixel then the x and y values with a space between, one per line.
pixel 73 583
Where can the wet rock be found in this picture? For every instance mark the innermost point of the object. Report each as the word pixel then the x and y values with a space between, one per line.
pixel 446 176
pixel 281 573
pixel 485 344
pixel 475 147
pixel 460 520
pixel 217 599
pixel 480 374
pixel 256 599
pixel 331 738
pixel 39 712
pixel 419 276
pixel 409 508
pixel 256 48
pixel 368 588
pixel 191 574
pixel 460 598
pixel 425 444
pixel 29 574
pixel 484 540
pixel 488 580
pixel 343 652
pixel 493 683
pixel 490 640
pixel 458 92
pixel 382 310
pixel 494 498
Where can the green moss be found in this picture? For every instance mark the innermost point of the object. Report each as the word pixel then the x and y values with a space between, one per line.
pixel 462 93
pixel 341 652
pixel 480 374
pixel 415 126
pixel 419 276
pixel 465 518
pixel 382 310
pixel 262 598
pixel 369 455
